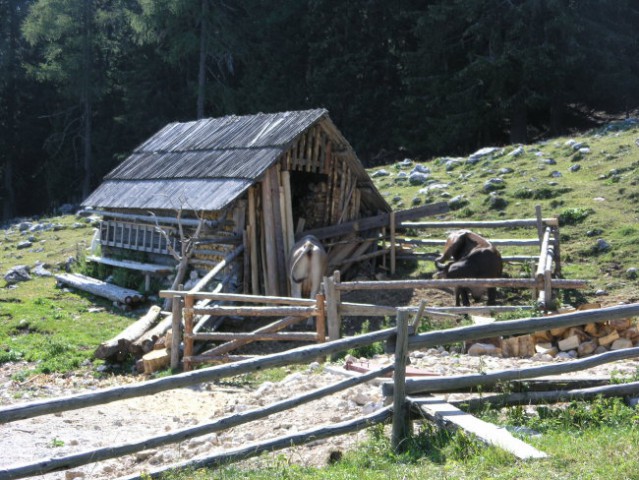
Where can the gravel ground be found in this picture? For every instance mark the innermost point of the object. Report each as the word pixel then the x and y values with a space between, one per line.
pixel 125 421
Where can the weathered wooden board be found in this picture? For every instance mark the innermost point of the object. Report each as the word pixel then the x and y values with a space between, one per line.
pixel 444 413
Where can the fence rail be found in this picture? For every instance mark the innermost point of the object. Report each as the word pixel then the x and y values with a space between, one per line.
pixel 404 341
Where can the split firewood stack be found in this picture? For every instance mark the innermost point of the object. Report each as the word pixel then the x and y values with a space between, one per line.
pixel 577 342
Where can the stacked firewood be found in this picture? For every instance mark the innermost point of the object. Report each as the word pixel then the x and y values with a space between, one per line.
pixel 580 341
pixel 584 340
pixel 590 339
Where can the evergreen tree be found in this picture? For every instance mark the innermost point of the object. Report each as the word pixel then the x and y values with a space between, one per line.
pixel 75 38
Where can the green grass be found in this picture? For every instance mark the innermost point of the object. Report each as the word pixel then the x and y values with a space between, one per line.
pixel 54 328
pixel 600 200
pixel 587 441
pixel 57 330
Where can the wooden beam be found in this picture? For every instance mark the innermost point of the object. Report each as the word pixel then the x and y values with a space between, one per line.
pixel 401 417
pixel 377 221
pixel 445 414
pixel 272 283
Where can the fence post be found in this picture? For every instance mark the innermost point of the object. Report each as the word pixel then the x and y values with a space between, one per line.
pixel 188 332
pixel 176 328
pixel 401 419
pixel 332 306
pixel 320 319
pixel 392 243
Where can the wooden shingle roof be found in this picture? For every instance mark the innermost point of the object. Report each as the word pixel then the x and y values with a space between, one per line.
pixel 203 164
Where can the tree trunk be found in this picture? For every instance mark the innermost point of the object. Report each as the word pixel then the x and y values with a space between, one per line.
pixel 100 288
pixel 519 121
pixel 201 78
pixel 8 205
pixel 86 97
pixel 134 331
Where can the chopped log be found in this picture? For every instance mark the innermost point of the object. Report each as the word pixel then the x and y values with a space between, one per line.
pixel 587 348
pixel 592 329
pixel 112 347
pixel 145 342
pixel 100 288
pixel 608 339
pixel 570 343
pixel 620 324
pixel 156 360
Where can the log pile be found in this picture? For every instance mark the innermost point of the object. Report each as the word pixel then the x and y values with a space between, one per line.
pixel 144 340
pixel 578 342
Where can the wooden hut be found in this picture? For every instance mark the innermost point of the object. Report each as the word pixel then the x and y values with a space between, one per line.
pixel 254 180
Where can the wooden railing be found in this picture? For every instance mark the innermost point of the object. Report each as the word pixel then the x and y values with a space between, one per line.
pixel 403 410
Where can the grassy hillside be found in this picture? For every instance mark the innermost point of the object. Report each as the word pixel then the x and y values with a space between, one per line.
pixel 40 323
pixel 589 181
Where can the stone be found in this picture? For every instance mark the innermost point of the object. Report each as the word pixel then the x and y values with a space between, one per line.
pixel 496 202
pixel 19 273
pixel 505 170
pixel 631 273
pixel 406 163
pixel 477 349
pixel 418 178
pixel 575 168
pixel 457 202
pixel 416 201
pixel 419 168
pixel 452 164
pixel 601 292
pixel 41 271
pixel 549 161
pixel 517 151
pixel 482 153
pixel 73 474
pixel 602 245
pixel 493 184
pixel 380 173
pixel 556 174
pixel 620 344
pixel 25 244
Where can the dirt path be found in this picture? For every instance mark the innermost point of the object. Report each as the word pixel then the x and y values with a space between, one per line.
pixel 128 420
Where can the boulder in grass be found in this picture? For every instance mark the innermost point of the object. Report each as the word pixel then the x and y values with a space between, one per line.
pixel 19 273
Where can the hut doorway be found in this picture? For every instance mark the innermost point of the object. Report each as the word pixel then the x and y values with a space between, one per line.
pixel 309 198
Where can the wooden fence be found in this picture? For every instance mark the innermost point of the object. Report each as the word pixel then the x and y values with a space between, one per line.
pixel 403 409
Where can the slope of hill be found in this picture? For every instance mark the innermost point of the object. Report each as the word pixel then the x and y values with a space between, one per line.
pixel 589 181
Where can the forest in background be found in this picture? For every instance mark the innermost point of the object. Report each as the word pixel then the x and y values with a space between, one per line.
pixel 83 82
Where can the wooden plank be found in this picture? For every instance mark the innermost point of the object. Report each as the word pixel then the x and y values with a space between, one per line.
pixel 444 413
pixel 332 306
pixel 255 284
pixel 131 265
pixel 464 224
pixel 288 211
pixel 462 282
pixel 256 337
pixel 378 221
pixel 498 242
pixel 271 271
pixel 254 311
pixel 278 232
